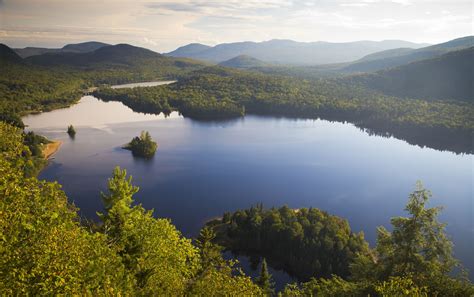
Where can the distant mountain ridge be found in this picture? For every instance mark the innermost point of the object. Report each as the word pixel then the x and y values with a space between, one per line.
pixel 83 47
pixel 243 61
pixel 120 54
pixel 397 57
pixel 190 49
pixel 290 52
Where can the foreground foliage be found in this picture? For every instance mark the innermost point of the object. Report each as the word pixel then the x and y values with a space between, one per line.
pixel 414 259
pixel 44 250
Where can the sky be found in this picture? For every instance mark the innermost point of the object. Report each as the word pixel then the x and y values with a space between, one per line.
pixel 165 25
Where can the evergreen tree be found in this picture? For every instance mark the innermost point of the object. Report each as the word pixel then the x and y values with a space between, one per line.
pixel 265 279
pixel 71 131
pixel 118 202
pixel 210 252
pixel 418 244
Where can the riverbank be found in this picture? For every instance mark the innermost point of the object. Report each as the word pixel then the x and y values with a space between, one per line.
pixel 51 148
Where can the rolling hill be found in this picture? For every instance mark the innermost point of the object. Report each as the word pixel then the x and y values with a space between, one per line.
pixel 120 55
pixel 290 52
pixel 396 57
pixel 7 55
pixel 189 50
pixel 449 76
pixel 243 61
pixel 119 63
pixel 83 47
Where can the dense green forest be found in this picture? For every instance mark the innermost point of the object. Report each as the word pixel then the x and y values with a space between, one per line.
pixel 217 92
pixel 47 249
pixel 403 56
pixel 305 242
pixel 449 76
pixel 51 81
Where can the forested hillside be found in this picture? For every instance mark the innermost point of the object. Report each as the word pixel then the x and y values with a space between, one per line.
pixel 50 81
pixel 8 56
pixel 83 47
pixel 118 63
pixel 243 61
pixel 450 76
pixel 221 92
pixel 393 58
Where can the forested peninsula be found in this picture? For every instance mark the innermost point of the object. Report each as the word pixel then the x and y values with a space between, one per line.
pixel 217 92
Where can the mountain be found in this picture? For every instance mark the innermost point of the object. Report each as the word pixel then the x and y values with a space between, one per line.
pixel 33 51
pixel 83 47
pixel 449 76
pixel 243 61
pixel 397 57
pixel 290 52
pixel 189 50
pixel 7 55
pixel 119 63
pixel 120 54
pixel 386 54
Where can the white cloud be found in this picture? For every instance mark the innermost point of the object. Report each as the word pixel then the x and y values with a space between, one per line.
pixel 165 25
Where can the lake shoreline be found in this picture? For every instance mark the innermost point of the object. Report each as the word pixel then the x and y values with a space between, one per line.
pixel 51 148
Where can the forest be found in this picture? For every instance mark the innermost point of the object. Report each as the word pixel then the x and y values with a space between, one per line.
pixel 217 92
pixel 305 242
pixel 46 82
pixel 46 248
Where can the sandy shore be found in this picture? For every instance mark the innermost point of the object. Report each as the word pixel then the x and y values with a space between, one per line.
pixel 51 148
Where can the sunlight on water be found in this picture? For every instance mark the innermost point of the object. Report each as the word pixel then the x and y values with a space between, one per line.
pixel 144 84
pixel 90 112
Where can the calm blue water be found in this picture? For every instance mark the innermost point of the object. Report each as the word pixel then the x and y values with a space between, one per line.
pixel 202 169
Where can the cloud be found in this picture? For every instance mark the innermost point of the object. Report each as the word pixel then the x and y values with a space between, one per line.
pixel 357 4
pixel 149 41
pixel 165 25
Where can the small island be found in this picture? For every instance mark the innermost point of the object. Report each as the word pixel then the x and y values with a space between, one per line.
pixel 142 146
pixel 71 131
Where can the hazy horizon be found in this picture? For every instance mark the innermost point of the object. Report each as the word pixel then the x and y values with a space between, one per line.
pixel 163 26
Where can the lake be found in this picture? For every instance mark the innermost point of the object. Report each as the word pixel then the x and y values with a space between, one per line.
pixel 202 169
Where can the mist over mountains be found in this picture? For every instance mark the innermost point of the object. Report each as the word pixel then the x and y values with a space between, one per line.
pixel 401 56
pixel 83 47
pixel 290 52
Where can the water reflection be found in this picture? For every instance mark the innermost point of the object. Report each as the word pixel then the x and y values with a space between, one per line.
pixel 90 112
